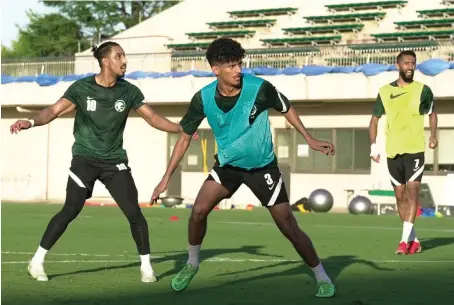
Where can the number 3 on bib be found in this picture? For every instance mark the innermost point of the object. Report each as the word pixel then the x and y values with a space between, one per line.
pixel 268 178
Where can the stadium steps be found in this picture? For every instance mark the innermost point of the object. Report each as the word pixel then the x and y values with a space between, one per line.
pixel 336 29
pixel 256 23
pixel 196 46
pixel 393 46
pixel 415 35
pixel 443 12
pixel 426 23
pixel 298 41
pixel 375 5
pixel 263 12
pixel 216 34
pixel 357 17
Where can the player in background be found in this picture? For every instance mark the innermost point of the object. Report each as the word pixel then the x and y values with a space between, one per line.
pixel 102 103
pixel 405 102
pixel 236 107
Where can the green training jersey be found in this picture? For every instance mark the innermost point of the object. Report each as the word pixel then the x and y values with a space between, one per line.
pixel 404 108
pixel 101 114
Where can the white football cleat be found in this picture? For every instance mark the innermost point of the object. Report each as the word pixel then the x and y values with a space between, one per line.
pixel 148 275
pixel 36 271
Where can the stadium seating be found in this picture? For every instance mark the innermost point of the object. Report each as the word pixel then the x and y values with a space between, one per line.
pixel 211 35
pixel 345 26
pixel 342 32
pixel 256 23
pixel 298 41
pixel 416 35
pixel 334 29
pixel 263 12
pixel 376 5
pixel 234 28
pixel 354 17
pixel 444 12
pixel 426 23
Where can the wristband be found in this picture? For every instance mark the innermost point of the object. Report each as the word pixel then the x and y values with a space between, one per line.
pixel 374 150
pixel 32 121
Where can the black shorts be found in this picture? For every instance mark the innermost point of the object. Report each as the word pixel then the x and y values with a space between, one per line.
pixel 266 183
pixel 84 172
pixel 406 167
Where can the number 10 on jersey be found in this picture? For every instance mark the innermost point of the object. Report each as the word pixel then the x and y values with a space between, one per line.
pixel 91 105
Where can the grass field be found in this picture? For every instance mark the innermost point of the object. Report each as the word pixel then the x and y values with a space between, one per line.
pixel 245 260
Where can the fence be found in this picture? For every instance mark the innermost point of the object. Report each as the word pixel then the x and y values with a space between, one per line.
pixel 273 58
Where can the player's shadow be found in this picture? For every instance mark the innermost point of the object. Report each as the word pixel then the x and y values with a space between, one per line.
pixel 178 257
pixel 432 243
pixel 333 265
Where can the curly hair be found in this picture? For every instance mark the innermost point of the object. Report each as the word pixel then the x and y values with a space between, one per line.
pixel 224 50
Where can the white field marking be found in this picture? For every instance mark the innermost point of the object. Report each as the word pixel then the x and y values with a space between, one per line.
pixel 382 228
pixel 76 254
pixel 339 227
pixel 50 215
pixel 233 260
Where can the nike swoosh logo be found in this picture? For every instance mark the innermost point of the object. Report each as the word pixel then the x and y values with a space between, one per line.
pixel 271 187
pixel 392 96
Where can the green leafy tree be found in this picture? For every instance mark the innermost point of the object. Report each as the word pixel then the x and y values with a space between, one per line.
pixel 47 35
pixel 106 18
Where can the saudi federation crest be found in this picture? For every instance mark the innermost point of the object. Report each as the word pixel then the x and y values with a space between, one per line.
pixel 120 105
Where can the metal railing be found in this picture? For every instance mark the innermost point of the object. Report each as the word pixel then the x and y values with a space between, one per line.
pixel 281 58
pixel 35 66
pixel 326 56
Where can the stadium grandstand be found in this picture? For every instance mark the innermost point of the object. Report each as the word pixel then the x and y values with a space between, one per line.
pixel 329 57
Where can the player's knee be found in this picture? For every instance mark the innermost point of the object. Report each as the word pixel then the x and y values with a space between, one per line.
pixel 135 215
pixel 200 212
pixel 289 227
pixel 69 212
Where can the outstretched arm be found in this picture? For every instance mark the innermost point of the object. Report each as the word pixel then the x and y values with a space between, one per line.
pixel 322 146
pixel 157 121
pixel 270 97
pixel 45 116
pixel 190 122
pixel 178 152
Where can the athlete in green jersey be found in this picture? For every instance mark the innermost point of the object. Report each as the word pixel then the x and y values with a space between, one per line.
pixel 236 107
pixel 405 102
pixel 102 103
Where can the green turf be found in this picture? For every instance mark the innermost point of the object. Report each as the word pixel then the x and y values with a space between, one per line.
pixel 246 262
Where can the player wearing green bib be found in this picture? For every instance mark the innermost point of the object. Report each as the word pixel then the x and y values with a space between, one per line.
pixel 102 103
pixel 405 102
pixel 236 107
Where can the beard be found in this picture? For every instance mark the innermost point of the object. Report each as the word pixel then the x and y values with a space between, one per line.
pixel 405 77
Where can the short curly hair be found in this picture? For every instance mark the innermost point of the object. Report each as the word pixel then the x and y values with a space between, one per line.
pixel 224 50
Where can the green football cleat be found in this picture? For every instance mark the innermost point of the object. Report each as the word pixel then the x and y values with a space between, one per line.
pixel 325 289
pixel 181 281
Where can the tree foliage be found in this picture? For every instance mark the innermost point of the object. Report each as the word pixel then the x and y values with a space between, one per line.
pixel 106 18
pixel 47 35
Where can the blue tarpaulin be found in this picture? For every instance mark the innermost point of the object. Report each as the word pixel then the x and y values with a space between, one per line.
pixel 429 67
